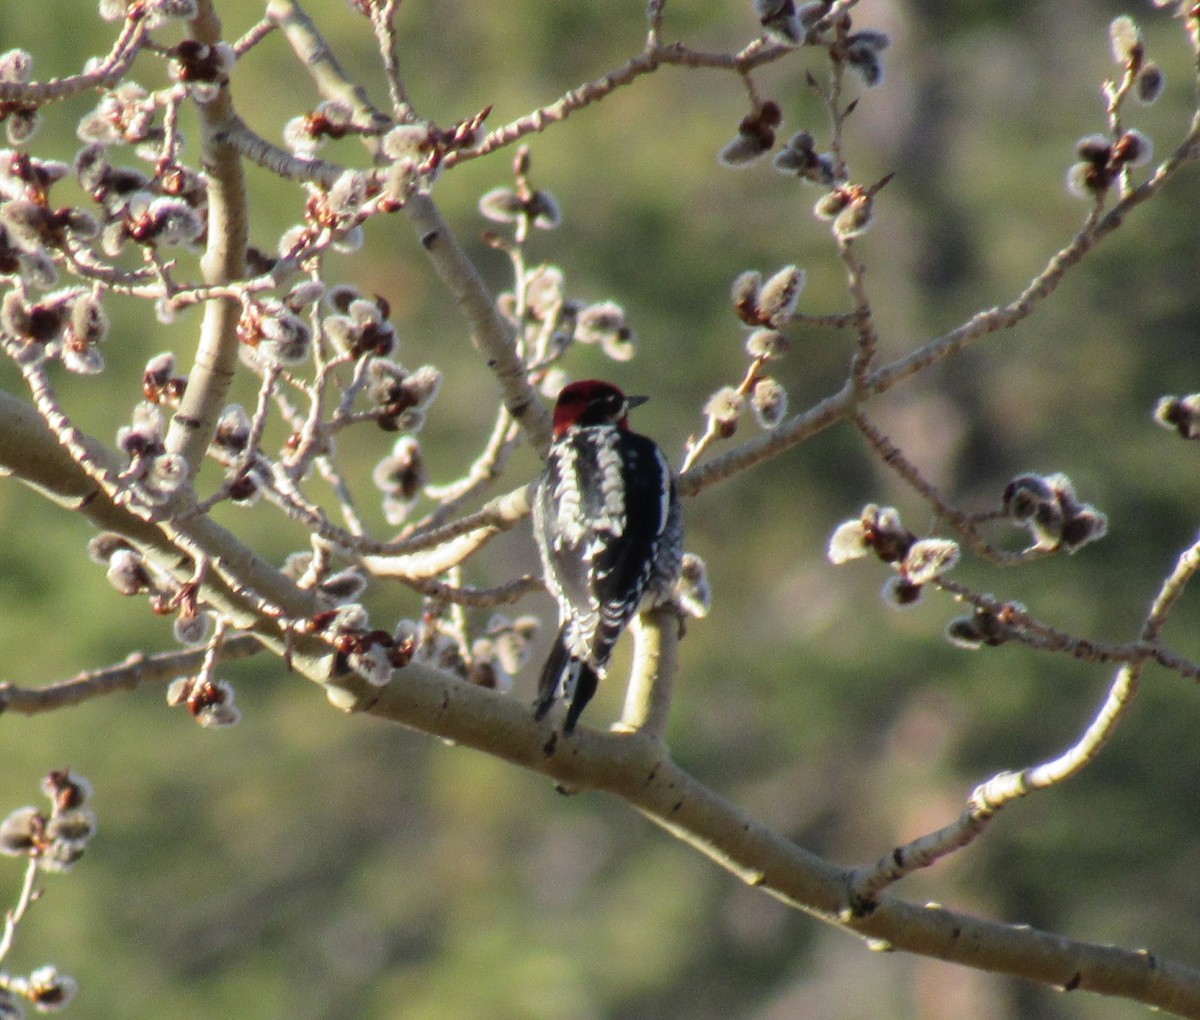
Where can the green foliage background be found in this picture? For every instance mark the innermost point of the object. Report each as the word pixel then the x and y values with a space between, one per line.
pixel 310 865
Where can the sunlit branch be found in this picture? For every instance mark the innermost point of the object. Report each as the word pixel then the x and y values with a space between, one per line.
pixel 107 73
pixel 224 260
pixel 467 595
pixel 16 914
pixel 635 767
pixel 319 61
pixel 136 670
pixel 652 675
pixel 1003 789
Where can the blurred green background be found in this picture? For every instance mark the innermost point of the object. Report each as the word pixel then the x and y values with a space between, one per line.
pixel 309 865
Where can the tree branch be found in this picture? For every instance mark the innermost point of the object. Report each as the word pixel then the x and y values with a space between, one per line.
pixel 635 767
pixel 224 260
pixel 652 677
pixel 136 670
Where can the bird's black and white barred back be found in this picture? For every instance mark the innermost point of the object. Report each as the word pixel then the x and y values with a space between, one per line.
pixel 609 531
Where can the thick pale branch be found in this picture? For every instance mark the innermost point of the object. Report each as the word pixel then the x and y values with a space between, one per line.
pixel 321 63
pixel 635 767
pixel 655 663
pixel 998 792
pixel 1007 787
pixel 491 333
pixel 433 562
pixel 239 584
pixel 500 513
pixel 224 260
pixel 257 149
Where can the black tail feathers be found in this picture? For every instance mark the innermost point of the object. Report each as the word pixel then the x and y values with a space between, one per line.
pixel 552 672
pixel 558 664
pixel 585 686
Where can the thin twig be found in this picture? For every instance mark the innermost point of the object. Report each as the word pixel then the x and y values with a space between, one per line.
pixel 963 523
pixel 1001 790
pixel 383 20
pixel 840 405
pixel 466 595
pixel 106 74
pixel 16 914
pixel 129 675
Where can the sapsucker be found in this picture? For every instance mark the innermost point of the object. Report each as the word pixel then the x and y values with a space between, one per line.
pixel 608 528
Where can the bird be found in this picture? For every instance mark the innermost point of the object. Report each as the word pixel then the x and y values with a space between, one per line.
pixel 609 533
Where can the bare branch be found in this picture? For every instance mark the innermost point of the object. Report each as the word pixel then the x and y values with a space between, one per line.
pixel 318 59
pixel 136 670
pixel 635 767
pixel 465 595
pixel 107 73
pixel 224 260
pixel 491 333
pixel 652 677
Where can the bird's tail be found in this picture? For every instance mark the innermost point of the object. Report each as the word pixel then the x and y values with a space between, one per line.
pixel 585 686
pixel 552 672
pixel 560 663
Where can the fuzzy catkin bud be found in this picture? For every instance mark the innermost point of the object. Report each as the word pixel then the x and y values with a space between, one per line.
pixel 929 558
pixel 344 586
pixel 66 789
pixel 723 409
pixel 102 546
pixel 744 295
pixel 779 296
pixel 1149 83
pixel 232 432
pixel 192 629
pixel 800 158
pixel 50 991
pixel 692 590
pixel 878 529
pixel 767 344
pixel 862 52
pixel 768 401
pixel 401 473
pixel 755 137
pixel 780 21
pixel 1181 414
pixel 501 205
pixel 1126 39
pixel 21 831
pixel 15 66
pixel 89 323
pixel 855 219
pixel 605 323
pixel 743 150
pixel 127 572
pixel 406 141
pixel 1132 149
pixel 899 592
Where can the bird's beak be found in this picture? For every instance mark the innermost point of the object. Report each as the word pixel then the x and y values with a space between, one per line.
pixel 632 402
